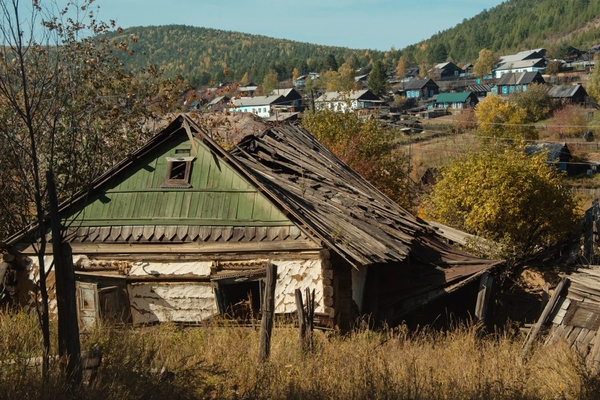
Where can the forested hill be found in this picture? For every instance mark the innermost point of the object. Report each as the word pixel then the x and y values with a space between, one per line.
pixel 202 55
pixel 513 26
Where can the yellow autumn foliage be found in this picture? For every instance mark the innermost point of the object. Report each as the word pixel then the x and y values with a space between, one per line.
pixel 506 196
pixel 501 119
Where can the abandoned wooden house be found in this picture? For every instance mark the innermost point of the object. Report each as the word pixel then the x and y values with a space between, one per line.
pixel 182 230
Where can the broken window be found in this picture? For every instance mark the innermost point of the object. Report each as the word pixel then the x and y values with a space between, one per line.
pixel 178 172
pixel 239 289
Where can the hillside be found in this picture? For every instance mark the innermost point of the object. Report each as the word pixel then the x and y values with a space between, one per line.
pixel 513 26
pixel 203 55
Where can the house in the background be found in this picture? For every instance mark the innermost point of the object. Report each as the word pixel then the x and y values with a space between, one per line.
pixel 481 89
pixel 300 83
pixel 259 105
pixel 558 154
pixel 353 100
pixel 522 66
pixel 219 103
pixel 446 70
pixel 421 89
pixel 292 100
pixel 568 94
pixel 456 101
pixel 517 82
pixel 248 89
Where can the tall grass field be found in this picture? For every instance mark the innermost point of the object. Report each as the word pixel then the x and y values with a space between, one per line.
pixel 220 362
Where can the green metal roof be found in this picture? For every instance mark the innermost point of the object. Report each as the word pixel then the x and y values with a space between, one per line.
pixel 452 97
pixel 218 196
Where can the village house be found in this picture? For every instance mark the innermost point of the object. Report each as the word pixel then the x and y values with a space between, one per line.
pixel 421 89
pixel 524 61
pixel 292 99
pixel 259 105
pixel 353 100
pixel 456 101
pixel 516 82
pixel 300 83
pixel 182 231
pixel 219 103
pixel 446 70
pixel 568 94
pixel 481 90
pixel 248 89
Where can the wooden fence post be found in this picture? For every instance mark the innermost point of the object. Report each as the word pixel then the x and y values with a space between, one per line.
pixel 301 318
pixel 268 311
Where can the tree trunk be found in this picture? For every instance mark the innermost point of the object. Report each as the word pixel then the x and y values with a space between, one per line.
pixel 68 328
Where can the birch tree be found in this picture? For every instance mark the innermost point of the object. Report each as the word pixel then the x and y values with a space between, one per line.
pixel 69 110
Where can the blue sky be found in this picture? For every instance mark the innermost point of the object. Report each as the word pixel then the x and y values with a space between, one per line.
pixel 372 24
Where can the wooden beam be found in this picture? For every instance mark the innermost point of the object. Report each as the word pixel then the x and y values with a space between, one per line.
pixel 542 319
pixel 483 296
pixel 187 248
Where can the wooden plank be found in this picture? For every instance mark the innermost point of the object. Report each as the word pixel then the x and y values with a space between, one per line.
pixel 115 232
pixel 193 232
pixel 579 346
pixel 540 322
pixel 555 335
pixel 182 231
pixel 159 232
pixel 148 231
pixel 483 296
pixel 170 232
pixel 588 238
pixel 587 341
pixel 104 233
pixel 563 305
pixel 593 360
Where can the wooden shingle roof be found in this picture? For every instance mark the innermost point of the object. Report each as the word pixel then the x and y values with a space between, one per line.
pixel 348 213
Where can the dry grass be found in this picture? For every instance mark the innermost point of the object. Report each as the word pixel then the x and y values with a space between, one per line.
pixel 220 362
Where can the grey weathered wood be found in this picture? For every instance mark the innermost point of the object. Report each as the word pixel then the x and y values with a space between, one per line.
pixel 268 311
pixel 540 322
pixel 588 239
pixel 594 356
pixel 301 318
pixel 483 296
pixel 596 213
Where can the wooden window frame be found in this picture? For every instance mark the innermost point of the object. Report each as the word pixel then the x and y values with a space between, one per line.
pixel 178 183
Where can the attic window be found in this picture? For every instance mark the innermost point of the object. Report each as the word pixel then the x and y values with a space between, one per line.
pixel 178 172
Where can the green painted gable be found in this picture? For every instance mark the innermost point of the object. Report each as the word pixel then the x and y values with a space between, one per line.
pixel 218 195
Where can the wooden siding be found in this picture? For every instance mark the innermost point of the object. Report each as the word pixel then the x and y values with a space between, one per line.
pixel 218 195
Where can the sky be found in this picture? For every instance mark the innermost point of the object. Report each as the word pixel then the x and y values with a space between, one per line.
pixel 357 24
